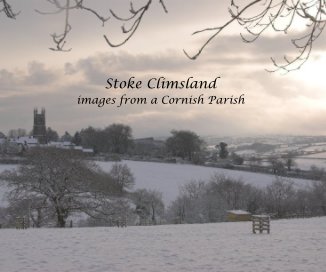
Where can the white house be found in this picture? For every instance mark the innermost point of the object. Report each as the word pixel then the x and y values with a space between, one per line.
pixel 29 141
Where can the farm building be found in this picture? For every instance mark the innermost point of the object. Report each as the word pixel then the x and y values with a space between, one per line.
pixel 238 215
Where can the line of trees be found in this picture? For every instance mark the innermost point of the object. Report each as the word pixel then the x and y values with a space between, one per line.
pixel 116 138
pixel 204 202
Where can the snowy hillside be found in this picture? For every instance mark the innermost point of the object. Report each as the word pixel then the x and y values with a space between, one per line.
pixel 167 178
pixel 293 245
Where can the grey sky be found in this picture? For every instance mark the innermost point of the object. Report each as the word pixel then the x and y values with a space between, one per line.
pixel 33 76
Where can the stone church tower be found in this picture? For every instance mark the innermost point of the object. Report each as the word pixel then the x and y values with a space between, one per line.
pixel 39 128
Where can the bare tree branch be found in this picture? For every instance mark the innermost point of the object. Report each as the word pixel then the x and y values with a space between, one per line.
pixel 60 40
pixel 129 26
pixel 280 16
pixel 70 5
pixel 7 9
pixel 135 18
pixel 218 30
pixel 255 16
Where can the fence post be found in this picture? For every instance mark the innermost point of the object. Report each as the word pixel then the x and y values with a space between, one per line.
pixel 21 223
pixel 260 223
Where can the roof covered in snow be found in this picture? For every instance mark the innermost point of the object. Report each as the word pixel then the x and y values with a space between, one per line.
pixel 238 212
pixel 29 140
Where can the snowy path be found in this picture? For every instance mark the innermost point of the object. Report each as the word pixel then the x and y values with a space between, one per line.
pixel 294 245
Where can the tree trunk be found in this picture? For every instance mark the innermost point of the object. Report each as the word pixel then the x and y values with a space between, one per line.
pixel 61 221
pixel 153 215
pixel 61 218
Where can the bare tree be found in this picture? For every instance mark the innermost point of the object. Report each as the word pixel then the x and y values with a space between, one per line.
pixel 149 206
pixel 35 210
pixel 176 212
pixel 279 197
pixel 59 181
pixel 277 165
pixel 193 196
pixel 317 173
pixel 122 177
pixel 118 212
pixel 258 16
pixel 319 196
pixel 234 192
pixel 289 161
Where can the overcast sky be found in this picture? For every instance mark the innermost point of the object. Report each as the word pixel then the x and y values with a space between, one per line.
pixel 31 75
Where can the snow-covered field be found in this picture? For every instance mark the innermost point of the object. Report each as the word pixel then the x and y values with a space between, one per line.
pixel 295 245
pixel 306 163
pixel 167 178
pixel 314 147
pixel 321 155
pixel 7 167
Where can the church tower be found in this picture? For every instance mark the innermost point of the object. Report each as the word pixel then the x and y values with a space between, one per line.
pixel 39 128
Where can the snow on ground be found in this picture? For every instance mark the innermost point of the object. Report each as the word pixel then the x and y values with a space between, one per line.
pixel 4 167
pixel 167 178
pixel 314 147
pixel 321 155
pixel 246 152
pixel 306 163
pixel 293 245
